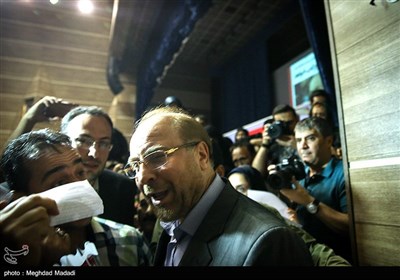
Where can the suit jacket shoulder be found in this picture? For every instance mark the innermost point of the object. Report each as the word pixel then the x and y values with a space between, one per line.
pixel 240 232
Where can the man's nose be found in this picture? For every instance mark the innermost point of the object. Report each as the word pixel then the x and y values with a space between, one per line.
pixel 144 175
pixel 303 144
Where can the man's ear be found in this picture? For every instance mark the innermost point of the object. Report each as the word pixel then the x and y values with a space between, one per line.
pixel 204 154
pixel 329 140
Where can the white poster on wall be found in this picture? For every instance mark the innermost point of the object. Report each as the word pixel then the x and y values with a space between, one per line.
pixel 303 74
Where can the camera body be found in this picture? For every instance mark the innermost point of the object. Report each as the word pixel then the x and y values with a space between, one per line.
pixel 285 170
pixel 277 129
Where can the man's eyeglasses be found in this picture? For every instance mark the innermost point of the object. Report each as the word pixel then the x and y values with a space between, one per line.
pixel 154 160
pixel 87 142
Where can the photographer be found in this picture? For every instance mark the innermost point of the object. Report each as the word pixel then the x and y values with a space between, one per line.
pixel 278 139
pixel 321 195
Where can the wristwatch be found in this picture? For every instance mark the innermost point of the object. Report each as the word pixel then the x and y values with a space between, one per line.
pixel 313 206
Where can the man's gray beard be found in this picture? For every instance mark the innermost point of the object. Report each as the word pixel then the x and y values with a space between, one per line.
pixel 165 215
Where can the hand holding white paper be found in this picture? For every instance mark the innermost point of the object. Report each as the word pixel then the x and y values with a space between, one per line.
pixel 75 201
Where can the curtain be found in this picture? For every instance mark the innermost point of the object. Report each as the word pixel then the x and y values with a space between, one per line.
pixel 315 21
pixel 244 94
pixel 177 22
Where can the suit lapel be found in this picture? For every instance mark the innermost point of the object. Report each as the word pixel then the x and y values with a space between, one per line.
pixel 198 251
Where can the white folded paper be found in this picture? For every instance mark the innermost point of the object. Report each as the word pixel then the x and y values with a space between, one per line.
pixel 75 201
pixel 270 199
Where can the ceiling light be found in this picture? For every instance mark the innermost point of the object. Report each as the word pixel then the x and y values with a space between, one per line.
pixel 85 6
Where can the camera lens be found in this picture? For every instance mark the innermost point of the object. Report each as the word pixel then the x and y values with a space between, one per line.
pixel 285 170
pixel 279 180
pixel 275 130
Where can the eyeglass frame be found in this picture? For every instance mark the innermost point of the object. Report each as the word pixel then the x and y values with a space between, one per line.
pixel 130 168
pixel 93 142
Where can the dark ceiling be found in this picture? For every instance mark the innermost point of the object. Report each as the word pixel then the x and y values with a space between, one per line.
pixel 225 28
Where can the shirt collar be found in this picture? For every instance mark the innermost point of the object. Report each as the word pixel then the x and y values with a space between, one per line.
pixel 197 214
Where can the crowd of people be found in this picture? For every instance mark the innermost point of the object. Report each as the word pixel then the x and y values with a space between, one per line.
pixel 179 194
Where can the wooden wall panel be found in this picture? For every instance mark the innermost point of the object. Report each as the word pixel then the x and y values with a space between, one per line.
pixel 46 15
pixel 366 48
pixel 10 101
pixel 364 137
pixel 378 245
pixel 14 85
pixel 376 192
pixel 8 121
pixel 55 72
pixel 70 50
pixel 53 36
pixel 81 93
pixel 52 54
pixel 369 75
pixel 371 60
pixel 356 20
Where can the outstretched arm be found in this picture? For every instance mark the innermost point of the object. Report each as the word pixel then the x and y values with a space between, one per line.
pixel 46 109
pixel 26 234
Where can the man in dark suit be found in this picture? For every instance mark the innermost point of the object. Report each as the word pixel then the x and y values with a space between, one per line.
pixel 206 222
pixel 90 130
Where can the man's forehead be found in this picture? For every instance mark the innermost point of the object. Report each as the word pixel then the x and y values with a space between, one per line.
pixel 306 132
pixel 60 151
pixel 150 131
pixel 51 158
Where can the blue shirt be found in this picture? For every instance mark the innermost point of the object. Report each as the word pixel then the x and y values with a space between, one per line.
pixel 329 188
pixel 182 233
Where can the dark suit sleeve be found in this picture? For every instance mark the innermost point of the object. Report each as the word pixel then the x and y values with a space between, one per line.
pixel 279 246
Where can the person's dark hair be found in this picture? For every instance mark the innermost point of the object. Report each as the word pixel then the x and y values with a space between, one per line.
pixel 319 124
pixel 80 110
pixel 120 150
pixel 244 143
pixel 283 108
pixel 327 109
pixel 223 145
pixel 252 175
pixel 319 92
pixel 22 150
pixel 242 129
pixel 216 155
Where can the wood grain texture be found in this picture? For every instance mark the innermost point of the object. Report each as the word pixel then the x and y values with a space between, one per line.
pixel 366 49
pixel 71 48
pixel 378 245
pixel 369 74
pixel 55 72
pixel 353 21
pixel 376 195
pixel 11 48
pixel 37 34
pixel 49 16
